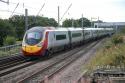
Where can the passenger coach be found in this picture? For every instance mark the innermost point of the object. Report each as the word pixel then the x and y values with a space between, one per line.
pixel 43 41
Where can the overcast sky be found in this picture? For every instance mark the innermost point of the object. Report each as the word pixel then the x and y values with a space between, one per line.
pixel 106 10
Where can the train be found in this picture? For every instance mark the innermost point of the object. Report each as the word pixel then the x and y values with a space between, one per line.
pixel 44 41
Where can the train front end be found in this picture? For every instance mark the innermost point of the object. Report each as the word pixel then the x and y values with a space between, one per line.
pixel 34 42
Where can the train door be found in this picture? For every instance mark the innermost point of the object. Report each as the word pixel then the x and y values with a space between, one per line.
pixel 51 39
pixel 70 38
pixel 83 35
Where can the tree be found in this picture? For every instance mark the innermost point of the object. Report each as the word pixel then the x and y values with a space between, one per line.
pixel 9 40
pixel 76 23
pixel 19 23
pixel 15 26
pixel 5 29
pixel 44 21
pixel 67 23
pixel 86 22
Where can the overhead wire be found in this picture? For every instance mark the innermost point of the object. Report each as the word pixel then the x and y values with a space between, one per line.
pixel 66 11
pixel 5 1
pixel 17 5
pixel 11 11
pixel 14 10
pixel 22 4
pixel 41 9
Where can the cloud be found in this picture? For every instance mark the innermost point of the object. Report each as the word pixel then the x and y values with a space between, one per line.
pixel 107 10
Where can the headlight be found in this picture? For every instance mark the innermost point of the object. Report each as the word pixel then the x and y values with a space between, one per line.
pixel 24 45
pixel 40 44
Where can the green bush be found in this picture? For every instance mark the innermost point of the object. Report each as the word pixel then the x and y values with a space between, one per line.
pixel 9 40
pixel 122 30
pixel 6 28
pixel 116 39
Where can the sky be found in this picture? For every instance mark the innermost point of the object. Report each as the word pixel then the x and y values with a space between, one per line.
pixel 106 10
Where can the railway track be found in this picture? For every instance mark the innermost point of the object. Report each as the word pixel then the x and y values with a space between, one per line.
pixel 4 73
pixel 11 61
pixel 14 63
pixel 57 66
pixel 9 58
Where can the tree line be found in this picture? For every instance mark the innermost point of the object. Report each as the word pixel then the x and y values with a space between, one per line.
pixel 15 26
pixel 76 22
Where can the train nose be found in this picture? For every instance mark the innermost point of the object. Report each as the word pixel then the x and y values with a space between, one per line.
pixel 31 49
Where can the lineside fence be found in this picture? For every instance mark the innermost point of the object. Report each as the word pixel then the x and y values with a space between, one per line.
pixel 10 50
pixel 110 71
pixel 109 74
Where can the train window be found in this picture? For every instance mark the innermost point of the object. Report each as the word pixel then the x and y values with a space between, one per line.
pixel 60 37
pixel 76 34
pixel 34 35
pixel 95 32
pixel 87 33
pixel 33 38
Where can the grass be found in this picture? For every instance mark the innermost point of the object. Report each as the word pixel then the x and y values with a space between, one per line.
pixel 18 42
pixel 10 52
pixel 111 54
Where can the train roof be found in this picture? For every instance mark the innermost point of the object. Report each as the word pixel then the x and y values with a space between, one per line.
pixel 93 28
pixel 39 28
pixel 66 29
pixel 86 28
pixel 109 29
pixel 73 28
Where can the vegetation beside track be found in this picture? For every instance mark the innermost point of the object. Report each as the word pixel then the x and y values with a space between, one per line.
pixel 10 52
pixel 112 53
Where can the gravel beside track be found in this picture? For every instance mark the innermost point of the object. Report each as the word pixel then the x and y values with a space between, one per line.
pixel 11 61
pixel 56 66
pixel 27 71
pixel 16 68
pixel 6 59
pixel 19 75
pixel 72 73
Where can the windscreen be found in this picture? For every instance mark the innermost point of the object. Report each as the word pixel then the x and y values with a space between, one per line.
pixel 33 38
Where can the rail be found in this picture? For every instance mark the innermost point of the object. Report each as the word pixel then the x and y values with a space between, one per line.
pixel 10 50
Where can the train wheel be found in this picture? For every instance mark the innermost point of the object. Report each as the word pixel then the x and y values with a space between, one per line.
pixel 48 54
pixel 66 47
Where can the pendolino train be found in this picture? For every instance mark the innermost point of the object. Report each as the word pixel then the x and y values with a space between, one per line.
pixel 43 41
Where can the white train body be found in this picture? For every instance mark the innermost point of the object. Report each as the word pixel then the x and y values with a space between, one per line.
pixel 57 38
pixel 41 41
